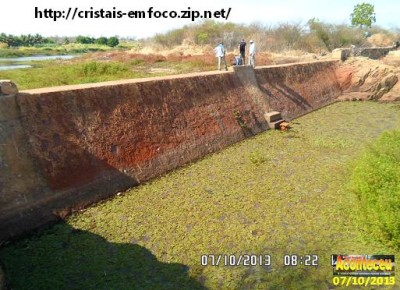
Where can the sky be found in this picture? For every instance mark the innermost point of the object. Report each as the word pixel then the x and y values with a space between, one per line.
pixel 18 16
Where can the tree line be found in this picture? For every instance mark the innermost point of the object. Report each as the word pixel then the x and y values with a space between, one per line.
pixel 112 41
pixel 24 40
pixel 38 40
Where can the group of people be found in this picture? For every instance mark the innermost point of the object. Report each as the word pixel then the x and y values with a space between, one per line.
pixel 239 60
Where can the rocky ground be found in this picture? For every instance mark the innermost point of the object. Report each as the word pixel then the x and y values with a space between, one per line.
pixel 362 78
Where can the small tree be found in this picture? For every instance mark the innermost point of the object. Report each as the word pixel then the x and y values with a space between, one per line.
pixel 363 15
pixel 113 41
pixel 321 31
pixel 101 40
pixel 84 39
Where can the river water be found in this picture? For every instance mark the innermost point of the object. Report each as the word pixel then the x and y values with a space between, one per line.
pixel 15 62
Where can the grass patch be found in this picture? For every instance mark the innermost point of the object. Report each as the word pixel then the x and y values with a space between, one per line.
pixel 48 74
pixel 258 157
pixel 137 61
pixel 94 68
pixel 185 66
pixel 331 143
pixel 56 73
pixel 376 181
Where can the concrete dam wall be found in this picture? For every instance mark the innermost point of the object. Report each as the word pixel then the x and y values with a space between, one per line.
pixel 63 148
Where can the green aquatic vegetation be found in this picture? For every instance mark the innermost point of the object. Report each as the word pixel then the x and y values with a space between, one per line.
pixel 258 157
pixel 376 181
pixel 278 193
pixel 331 143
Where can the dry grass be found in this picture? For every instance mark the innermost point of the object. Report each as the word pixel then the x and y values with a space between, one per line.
pixel 206 58
pixel 380 39
pixel 393 58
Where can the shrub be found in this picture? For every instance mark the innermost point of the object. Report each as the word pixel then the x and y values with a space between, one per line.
pixel 101 40
pixel 84 39
pixel 170 38
pixel 112 41
pixel 376 181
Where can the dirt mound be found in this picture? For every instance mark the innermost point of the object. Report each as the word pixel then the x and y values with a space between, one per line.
pixel 381 40
pixel 292 56
pixel 185 49
pixel 393 58
pixel 362 78
pixel 123 56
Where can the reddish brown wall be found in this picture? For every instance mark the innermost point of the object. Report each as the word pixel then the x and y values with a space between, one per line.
pixel 87 142
pixel 295 90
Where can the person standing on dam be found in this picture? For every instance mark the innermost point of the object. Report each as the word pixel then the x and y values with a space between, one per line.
pixel 252 54
pixel 220 54
pixel 242 50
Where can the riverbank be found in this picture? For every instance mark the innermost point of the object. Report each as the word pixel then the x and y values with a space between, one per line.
pixel 54 49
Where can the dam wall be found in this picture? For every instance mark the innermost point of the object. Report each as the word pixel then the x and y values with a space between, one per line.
pixel 63 148
pixel 369 52
pixel 295 90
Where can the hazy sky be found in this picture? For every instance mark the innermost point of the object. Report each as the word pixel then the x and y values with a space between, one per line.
pixel 18 16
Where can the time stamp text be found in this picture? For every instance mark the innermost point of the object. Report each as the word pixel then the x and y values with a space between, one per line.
pixel 256 260
pixel 293 260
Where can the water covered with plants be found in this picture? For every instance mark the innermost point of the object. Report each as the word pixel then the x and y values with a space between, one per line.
pixel 278 193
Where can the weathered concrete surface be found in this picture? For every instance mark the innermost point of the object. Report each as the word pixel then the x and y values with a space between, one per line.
pixel 66 147
pixel 20 178
pixel 369 52
pixel 341 53
pixel 297 89
pixel 375 52
pixel 7 87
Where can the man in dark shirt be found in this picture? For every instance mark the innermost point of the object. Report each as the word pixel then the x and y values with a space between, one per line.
pixel 242 49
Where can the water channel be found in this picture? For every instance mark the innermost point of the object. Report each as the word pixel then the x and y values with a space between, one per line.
pixel 24 62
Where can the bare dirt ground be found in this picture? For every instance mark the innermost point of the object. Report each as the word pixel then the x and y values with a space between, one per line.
pixel 186 52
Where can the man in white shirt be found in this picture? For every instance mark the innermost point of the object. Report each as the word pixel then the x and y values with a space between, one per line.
pixel 220 54
pixel 252 54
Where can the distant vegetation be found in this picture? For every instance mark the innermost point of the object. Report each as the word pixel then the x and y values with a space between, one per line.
pixel 24 40
pixel 38 40
pixel 313 36
pixel 72 48
pixel 112 41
